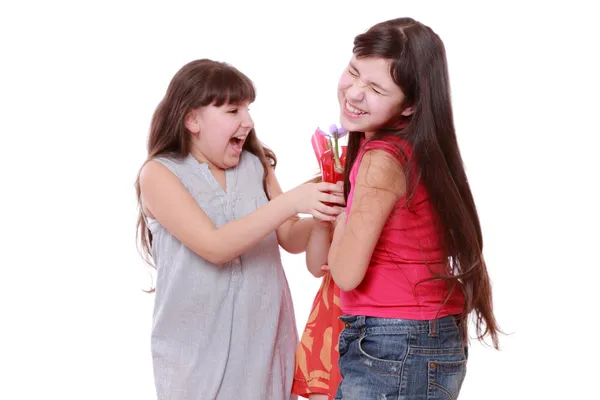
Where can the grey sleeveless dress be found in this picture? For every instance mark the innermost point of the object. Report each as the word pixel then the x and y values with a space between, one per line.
pixel 221 332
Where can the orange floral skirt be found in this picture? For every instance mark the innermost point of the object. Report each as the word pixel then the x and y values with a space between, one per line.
pixel 317 356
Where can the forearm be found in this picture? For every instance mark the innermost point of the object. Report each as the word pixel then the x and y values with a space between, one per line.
pixel 318 248
pixel 334 249
pixel 350 255
pixel 240 235
pixel 295 236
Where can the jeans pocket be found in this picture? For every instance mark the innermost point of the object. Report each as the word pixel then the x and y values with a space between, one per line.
pixel 383 353
pixel 445 379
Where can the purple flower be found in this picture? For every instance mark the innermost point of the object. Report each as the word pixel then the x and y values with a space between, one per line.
pixel 334 131
pixel 339 130
pixel 333 134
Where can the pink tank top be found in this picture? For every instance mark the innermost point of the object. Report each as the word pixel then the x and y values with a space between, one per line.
pixel 408 242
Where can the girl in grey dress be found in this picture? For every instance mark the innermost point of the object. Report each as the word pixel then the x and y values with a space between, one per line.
pixel 212 218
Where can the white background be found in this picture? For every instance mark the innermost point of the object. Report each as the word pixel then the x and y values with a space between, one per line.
pixel 80 80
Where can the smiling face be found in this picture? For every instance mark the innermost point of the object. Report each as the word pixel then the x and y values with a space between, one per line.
pixel 369 98
pixel 219 133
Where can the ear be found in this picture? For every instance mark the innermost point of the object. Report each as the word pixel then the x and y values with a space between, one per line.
pixel 408 111
pixel 192 122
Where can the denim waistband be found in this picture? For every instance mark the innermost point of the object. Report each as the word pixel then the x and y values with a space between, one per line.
pixel 359 322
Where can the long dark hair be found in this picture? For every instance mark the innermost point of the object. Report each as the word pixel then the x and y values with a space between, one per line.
pixel 419 68
pixel 197 84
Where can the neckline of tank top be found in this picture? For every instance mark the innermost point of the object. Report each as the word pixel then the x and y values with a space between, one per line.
pixel 191 160
pixel 231 175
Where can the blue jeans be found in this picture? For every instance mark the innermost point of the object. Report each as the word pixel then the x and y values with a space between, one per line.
pixel 400 359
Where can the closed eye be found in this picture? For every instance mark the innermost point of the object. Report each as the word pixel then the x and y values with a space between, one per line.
pixel 236 110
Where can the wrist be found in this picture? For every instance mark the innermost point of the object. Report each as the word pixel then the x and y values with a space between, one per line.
pixel 338 232
pixel 323 226
pixel 288 202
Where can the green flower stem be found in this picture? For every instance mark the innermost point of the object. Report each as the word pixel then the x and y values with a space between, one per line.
pixel 336 159
pixel 335 142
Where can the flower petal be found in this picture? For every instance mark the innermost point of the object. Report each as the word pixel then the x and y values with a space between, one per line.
pixel 333 129
pixel 341 132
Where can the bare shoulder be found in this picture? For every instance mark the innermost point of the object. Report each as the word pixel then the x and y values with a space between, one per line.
pixel 155 178
pixel 380 170
pixel 155 173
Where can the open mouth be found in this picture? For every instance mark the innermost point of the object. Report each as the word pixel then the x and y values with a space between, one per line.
pixel 237 142
pixel 354 111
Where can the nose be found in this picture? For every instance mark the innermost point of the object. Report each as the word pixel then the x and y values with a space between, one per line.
pixel 356 91
pixel 247 121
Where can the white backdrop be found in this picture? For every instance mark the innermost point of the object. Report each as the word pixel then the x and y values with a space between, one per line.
pixel 80 80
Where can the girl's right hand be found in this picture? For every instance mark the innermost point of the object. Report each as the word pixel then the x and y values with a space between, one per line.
pixel 310 198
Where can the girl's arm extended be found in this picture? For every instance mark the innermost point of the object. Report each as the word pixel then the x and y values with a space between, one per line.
pixel 166 199
pixel 380 182
pixel 318 248
pixel 293 235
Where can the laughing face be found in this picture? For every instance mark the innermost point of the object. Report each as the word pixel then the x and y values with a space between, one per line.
pixel 219 133
pixel 369 98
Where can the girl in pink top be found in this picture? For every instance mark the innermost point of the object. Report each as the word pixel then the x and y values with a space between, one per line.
pixel 407 255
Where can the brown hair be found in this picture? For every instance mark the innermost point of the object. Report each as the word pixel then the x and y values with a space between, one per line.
pixel 419 68
pixel 197 84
